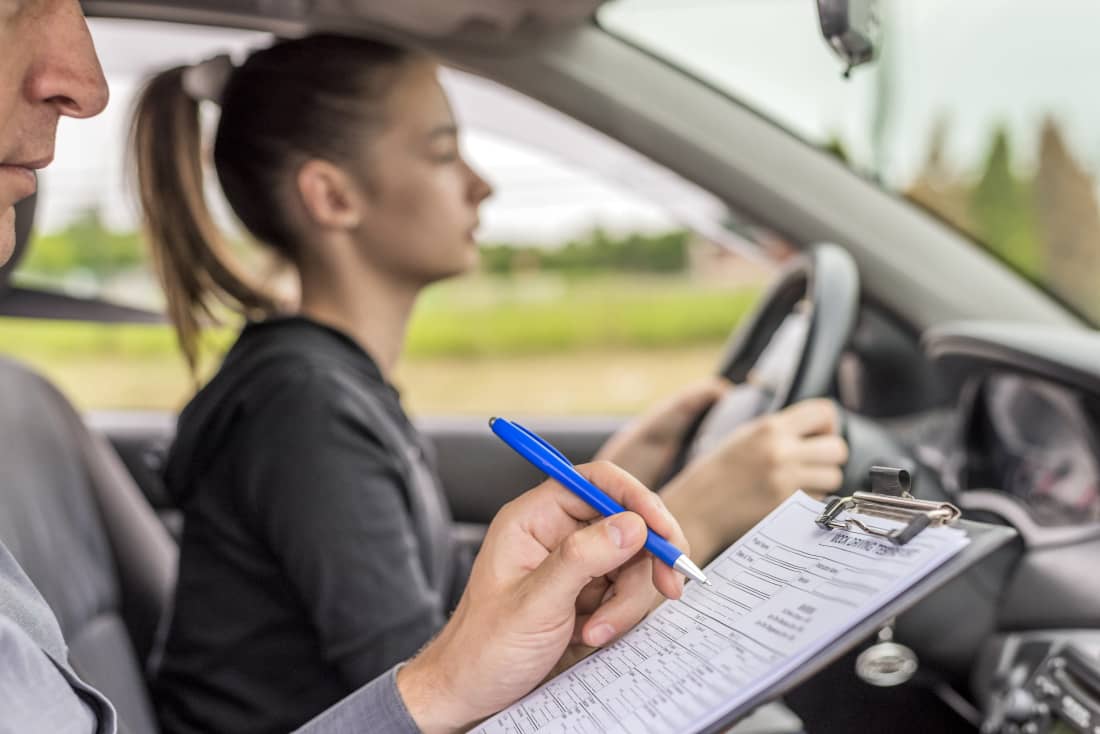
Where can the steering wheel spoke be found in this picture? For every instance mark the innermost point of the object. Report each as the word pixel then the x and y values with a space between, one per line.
pixel 789 348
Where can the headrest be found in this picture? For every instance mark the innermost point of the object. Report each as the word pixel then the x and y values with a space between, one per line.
pixel 24 220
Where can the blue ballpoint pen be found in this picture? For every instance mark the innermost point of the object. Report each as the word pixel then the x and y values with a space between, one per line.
pixel 554 464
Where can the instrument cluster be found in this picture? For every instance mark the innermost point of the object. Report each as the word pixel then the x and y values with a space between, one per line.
pixel 1036 441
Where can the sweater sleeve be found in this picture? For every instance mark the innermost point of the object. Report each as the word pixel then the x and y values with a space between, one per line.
pixel 376 707
pixel 331 502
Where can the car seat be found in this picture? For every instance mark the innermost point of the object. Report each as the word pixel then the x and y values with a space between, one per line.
pixel 74 519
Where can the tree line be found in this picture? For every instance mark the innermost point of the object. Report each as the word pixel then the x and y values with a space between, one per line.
pixel 87 245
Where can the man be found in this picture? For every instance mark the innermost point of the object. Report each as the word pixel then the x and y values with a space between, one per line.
pixel 523 607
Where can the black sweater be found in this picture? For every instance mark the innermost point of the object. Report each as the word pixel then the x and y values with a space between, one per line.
pixel 306 561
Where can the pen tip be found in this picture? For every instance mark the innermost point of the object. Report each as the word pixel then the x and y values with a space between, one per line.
pixel 707 582
pixel 684 565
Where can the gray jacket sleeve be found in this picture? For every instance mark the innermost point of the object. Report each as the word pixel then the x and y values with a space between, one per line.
pixel 376 707
pixel 39 693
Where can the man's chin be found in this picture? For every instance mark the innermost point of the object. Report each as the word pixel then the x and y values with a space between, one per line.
pixel 7 234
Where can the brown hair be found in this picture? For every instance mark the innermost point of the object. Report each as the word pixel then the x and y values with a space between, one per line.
pixel 316 97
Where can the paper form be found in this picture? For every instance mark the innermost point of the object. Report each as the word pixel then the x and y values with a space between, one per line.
pixel 780 595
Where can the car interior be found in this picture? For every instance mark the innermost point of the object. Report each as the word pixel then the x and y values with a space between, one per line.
pixel 989 396
pixel 81 528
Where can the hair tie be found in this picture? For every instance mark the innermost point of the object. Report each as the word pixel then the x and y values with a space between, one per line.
pixel 206 80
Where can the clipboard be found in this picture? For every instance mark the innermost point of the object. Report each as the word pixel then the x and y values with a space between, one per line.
pixel 741 639
pixel 889 498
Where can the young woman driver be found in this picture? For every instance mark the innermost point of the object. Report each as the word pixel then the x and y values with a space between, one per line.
pixel 316 550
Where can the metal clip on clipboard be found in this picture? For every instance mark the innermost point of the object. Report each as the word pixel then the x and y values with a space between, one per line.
pixel 889 498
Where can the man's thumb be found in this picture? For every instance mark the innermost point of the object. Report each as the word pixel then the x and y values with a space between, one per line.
pixel 588 553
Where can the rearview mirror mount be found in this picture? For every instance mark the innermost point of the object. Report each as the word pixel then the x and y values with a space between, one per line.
pixel 851 28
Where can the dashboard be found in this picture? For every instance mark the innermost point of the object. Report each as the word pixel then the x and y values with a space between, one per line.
pixel 1025 438
pixel 1037 442
pixel 1020 444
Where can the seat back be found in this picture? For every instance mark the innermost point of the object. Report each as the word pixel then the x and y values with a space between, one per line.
pixel 80 528
pixel 73 518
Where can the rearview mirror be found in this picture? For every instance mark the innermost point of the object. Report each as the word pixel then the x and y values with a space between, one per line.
pixel 851 28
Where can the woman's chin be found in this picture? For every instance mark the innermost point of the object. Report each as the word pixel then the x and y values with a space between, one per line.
pixel 471 259
pixel 463 267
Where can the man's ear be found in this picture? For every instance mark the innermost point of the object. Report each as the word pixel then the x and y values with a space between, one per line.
pixel 331 198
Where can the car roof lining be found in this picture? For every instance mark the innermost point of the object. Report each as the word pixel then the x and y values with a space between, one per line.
pixel 475 21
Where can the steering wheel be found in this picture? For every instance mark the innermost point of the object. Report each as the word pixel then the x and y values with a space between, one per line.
pixel 788 348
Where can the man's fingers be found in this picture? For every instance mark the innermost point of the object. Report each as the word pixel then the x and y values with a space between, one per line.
pixel 578 629
pixel 634 496
pixel 829 450
pixel 592 595
pixel 634 597
pixel 578 553
pixel 810 417
pixel 584 555
pixel 552 512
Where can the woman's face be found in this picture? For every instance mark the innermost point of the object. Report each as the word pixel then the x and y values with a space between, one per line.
pixel 423 198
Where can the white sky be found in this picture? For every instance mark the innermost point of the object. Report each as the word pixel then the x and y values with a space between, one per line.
pixel 977 62
pixel 540 198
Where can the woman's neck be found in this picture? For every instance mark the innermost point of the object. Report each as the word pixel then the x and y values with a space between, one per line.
pixel 370 308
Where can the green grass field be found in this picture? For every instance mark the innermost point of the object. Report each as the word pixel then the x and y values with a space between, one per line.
pixel 534 344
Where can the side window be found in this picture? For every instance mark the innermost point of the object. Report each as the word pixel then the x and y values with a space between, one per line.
pixel 606 282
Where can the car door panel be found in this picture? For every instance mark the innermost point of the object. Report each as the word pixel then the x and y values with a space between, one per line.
pixel 478 472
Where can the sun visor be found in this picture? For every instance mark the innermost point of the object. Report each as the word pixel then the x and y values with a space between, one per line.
pixel 425 19
pixel 435 19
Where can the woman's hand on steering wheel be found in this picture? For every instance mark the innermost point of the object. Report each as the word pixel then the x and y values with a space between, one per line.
pixel 723 493
pixel 646 446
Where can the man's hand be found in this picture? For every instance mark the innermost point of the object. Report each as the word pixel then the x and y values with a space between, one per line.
pixel 723 493
pixel 646 446
pixel 545 578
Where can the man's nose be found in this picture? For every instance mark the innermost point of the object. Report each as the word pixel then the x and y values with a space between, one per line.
pixel 66 72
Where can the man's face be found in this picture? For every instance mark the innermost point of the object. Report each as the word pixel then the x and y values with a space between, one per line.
pixel 48 68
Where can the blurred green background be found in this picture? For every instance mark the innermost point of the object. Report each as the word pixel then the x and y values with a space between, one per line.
pixel 599 325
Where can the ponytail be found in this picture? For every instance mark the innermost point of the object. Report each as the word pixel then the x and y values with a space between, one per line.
pixel 316 97
pixel 190 255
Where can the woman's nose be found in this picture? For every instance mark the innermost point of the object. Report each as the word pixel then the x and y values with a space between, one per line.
pixel 480 189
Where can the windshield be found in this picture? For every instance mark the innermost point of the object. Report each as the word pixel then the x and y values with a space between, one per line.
pixel 984 112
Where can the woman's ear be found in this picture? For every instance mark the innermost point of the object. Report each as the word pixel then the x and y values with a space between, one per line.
pixel 331 198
